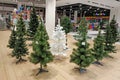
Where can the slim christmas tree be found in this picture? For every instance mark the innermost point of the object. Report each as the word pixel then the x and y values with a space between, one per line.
pixel 12 39
pixel 59 39
pixel 20 45
pixel 113 26
pixel 82 31
pixel 109 40
pixel 41 53
pixel 98 49
pixel 33 24
pixel 82 56
pixel 66 24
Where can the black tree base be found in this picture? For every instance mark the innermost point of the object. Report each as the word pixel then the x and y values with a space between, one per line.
pixel 110 56
pixel 41 71
pixel 98 63
pixel 21 60
pixel 82 70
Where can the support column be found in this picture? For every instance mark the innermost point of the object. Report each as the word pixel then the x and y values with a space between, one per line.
pixel 50 16
pixel 116 12
pixel 75 16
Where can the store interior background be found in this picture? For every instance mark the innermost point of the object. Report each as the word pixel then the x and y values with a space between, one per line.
pixel 95 11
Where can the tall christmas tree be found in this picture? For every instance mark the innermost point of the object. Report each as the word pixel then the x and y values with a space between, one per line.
pixel 65 22
pixel 113 25
pixel 99 48
pixel 59 39
pixel 12 39
pixel 109 40
pixel 82 56
pixel 20 45
pixel 33 24
pixel 41 53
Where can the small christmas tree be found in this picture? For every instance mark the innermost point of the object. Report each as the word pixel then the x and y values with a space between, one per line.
pixel 82 31
pixel 33 24
pixel 20 45
pixel 66 24
pixel 98 49
pixel 113 26
pixel 109 40
pixel 82 56
pixel 41 53
pixel 12 39
pixel 59 39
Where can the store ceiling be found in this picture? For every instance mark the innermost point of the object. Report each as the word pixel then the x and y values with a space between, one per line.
pixel 99 3
pixel 102 4
pixel 34 1
pixel 109 4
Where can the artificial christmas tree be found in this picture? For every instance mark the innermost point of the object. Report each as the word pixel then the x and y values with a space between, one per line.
pixel 65 22
pixel 109 40
pixel 82 56
pixel 113 26
pixel 99 48
pixel 82 29
pixel 20 45
pixel 41 53
pixel 12 39
pixel 59 39
pixel 33 24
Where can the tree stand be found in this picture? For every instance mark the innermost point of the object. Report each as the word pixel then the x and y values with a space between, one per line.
pixel 41 70
pixel 66 42
pixel 110 56
pixel 21 60
pixel 82 70
pixel 98 63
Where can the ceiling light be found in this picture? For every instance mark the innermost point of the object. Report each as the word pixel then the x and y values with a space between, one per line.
pixel 70 6
pixel 104 10
pixel 80 5
pixel 61 7
pixel 97 8
pixel 90 7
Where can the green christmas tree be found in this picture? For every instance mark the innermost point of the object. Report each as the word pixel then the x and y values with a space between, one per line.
pixel 99 48
pixel 82 56
pixel 66 24
pixel 33 24
pixel 12 39
pixel 109 40
pixel 41 53
pixel 113 26
pixel 82 31
pixel 20 48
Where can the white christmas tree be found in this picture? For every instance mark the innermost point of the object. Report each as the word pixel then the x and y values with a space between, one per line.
pixel 59 41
